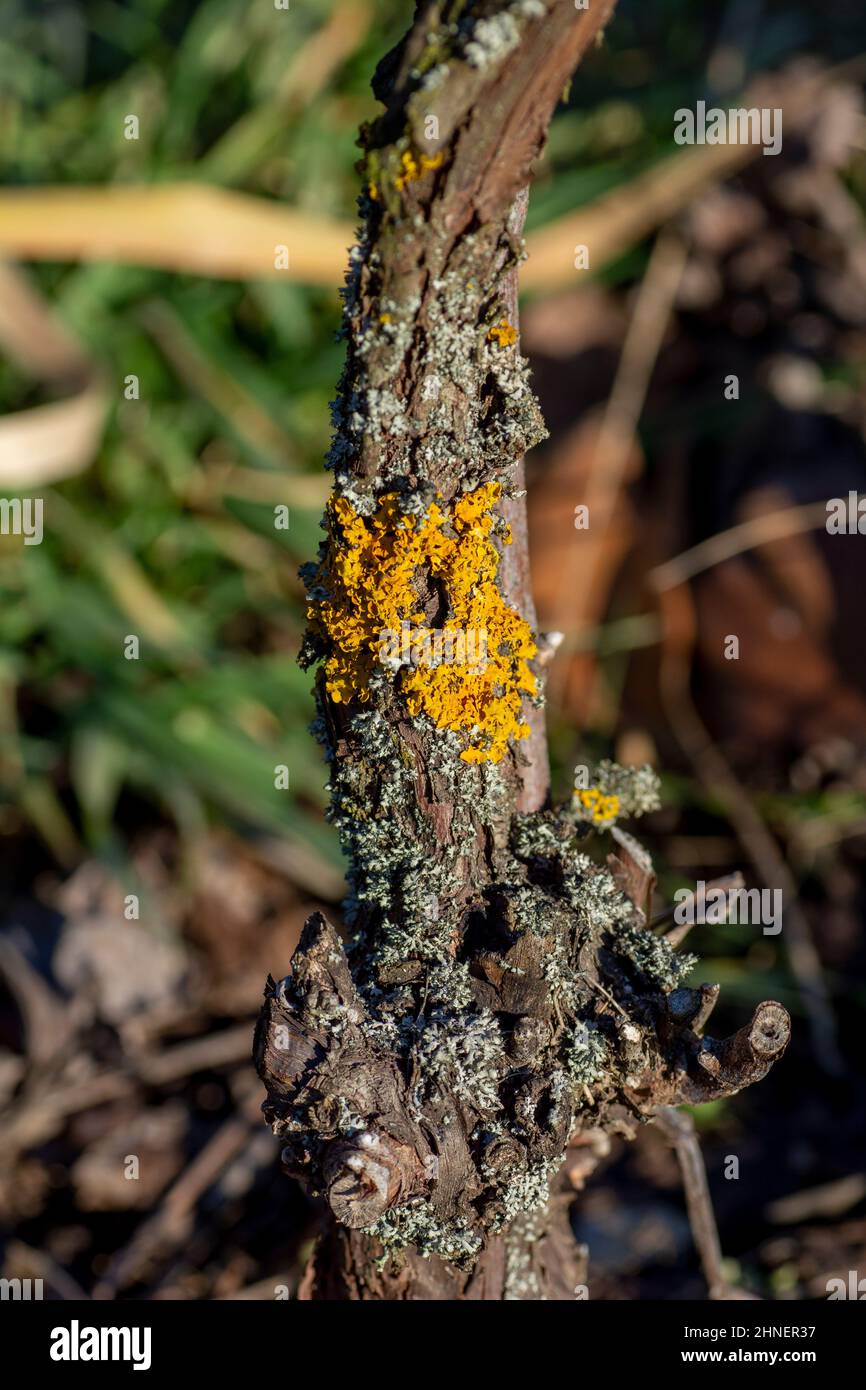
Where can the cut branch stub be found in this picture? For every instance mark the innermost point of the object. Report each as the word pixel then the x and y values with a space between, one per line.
pixel 706 1069
pixel 337 1098
pixel 365 1176
pixel 458 1119
pixel 747 1056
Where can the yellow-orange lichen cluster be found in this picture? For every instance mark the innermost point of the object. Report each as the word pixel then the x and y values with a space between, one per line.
pixel 412 167
pixel 415 167
pixel 599 808
pixel 503 333
pixel 368 573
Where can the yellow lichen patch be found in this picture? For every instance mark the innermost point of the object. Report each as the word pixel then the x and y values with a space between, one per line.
pixel 368 573
pixel 503 333
pixel 600 809
pixel 416 166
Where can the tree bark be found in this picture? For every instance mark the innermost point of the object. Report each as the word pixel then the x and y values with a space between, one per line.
pixel 501 996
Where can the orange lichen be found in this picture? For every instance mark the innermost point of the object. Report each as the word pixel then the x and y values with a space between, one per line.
pixel 415 167
pixel 371 575
pixel 601 809
pixel 504 333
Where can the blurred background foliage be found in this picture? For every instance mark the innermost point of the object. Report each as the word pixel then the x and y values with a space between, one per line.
pixel 169 532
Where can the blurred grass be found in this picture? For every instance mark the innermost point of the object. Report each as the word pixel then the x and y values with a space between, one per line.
pixel 170 535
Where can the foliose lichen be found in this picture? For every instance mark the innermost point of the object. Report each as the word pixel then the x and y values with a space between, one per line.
pixel 365 590
pixel 416 1224
pixel 627 791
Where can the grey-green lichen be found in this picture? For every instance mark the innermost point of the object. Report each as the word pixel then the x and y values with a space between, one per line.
pixel 587 1055
pixel 653 955
pixel 528 1191
pixel 545 835
pixel 521 1283
pixel 521 1002
pixel 462 1051
pixel 416 1224
pixel 410 877
pixel 635 788
pixel 485 432
pixel 495 36
pixel 492 40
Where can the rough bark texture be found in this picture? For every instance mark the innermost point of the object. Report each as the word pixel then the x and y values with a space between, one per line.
pixel 501 996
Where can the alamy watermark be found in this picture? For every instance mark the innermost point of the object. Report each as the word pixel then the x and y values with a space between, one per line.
pixel 77 1343
pixel 854 1288
pixel 756 906
pixel 20 1290
pixel 22 516
pixel 846 516
pixel 740 125
pixel 424 646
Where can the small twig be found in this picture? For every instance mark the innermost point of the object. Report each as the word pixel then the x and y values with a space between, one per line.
pixel 169 1224
pixel 42 1109
pixel 215 1050
pixel 615 440
pixel 596 984
pixel 728 884
pixel 760 530
pixel 678 1128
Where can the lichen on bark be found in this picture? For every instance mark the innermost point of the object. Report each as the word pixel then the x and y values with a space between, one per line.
pixel 500 994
